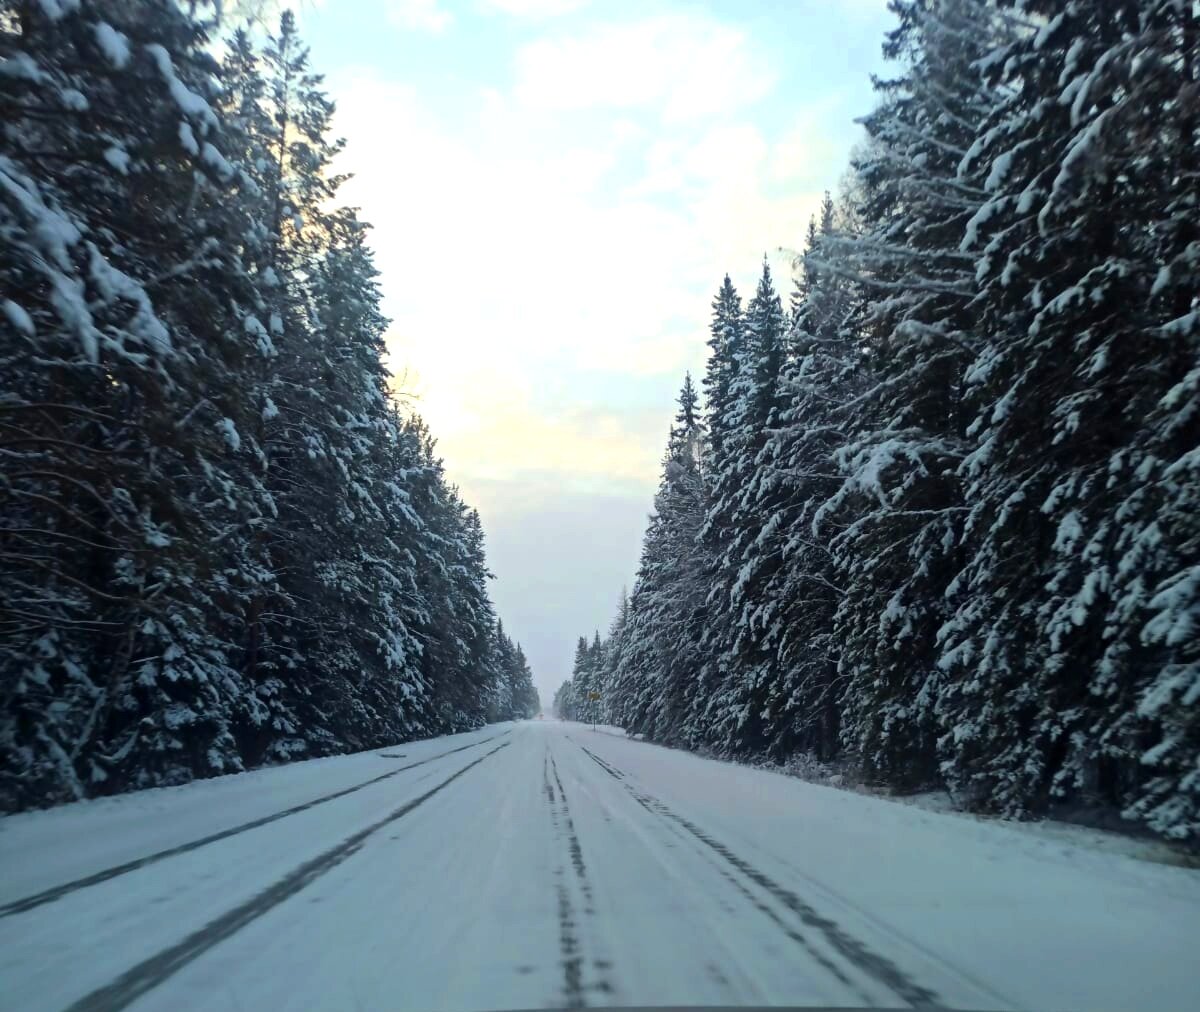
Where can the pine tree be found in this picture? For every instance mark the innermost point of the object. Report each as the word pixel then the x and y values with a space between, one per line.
pixel 525 696
pixel 898 516
pixel 120 281
pixel 615 643
pixel 564 701
pixel 456 631
pixel 502 661
pixel 740 714
pixel 727 336
pixel 1070 666
pixel 221 543
pixel 951 525
pixel 657 677
pixel 790 585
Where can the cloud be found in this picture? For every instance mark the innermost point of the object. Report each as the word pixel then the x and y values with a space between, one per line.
pixel 551 225
pixel 524 280
pixel 533 8
pixel 810 145
pixel 548 290
pixel 687 66
pixel 419 15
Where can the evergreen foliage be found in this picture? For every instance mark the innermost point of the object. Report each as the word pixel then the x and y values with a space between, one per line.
pixel 949 527
pixel 221 544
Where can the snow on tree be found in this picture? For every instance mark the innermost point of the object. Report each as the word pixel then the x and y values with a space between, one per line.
pixel 951 522
pixel 1072 674
pixel 740 711
pixel 895 521
pixel 221 544
pixel 123 485
pixel 666 611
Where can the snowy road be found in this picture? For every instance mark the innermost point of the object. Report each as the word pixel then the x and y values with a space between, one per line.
pixel 543 864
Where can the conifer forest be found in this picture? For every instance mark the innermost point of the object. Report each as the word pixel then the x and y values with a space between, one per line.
pixel 932 512
pixel 930 516
pixel 224 541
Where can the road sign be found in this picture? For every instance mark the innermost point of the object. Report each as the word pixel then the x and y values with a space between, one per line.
pixel 593 696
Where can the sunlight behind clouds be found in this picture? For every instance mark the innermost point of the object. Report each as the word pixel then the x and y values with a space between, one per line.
pixel 420 15
pixel 686 66
pixel 555 201
pixel 533 8
pixel 586 260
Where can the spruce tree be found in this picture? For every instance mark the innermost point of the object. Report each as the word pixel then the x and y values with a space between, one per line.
pixel 1067 658
pixel 121 278
pixel 897 518
pixel 738 715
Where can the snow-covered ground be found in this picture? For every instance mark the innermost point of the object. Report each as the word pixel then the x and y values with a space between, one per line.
pixel 542 864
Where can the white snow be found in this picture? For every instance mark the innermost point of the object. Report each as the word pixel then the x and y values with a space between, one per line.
pixel 37 850
pixel 57 9
pixel 1048 29
pixel 1070 532
pixel 113 284
pixel 230 432
pixel 187 138
pixel 190 104
pixel 114 44
pixel 21 65
pixel 1182 326
pixel 216 161
pixel 986 212
pixel 542 874
pixel 1001 166
pixel 253 326
pixel 17 316
pixel 1082 159
pixel 73 99
pixel 53 231
pixel 118 158
pixel 69 301
pixel 1161 280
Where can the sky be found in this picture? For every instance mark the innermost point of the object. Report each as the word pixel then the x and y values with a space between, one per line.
pixel 557 188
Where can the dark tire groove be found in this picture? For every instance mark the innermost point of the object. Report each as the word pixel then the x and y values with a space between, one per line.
pixel 57 892
pixel 151 972
pixel 612 771
pixel 547 786
pixel 858 954
pixel 824 961
pixel 573 846
pixel 740 887
pixel 570 956
pixel 572 961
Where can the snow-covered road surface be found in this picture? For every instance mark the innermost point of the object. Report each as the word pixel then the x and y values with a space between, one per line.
pixel 544 865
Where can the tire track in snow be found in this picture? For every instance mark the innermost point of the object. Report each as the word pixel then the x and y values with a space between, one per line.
pixel 810 950
pixel 573 841
pixel 571 959
pixel 547 786
pixel 571 949
pixel 57 892
pixel 612 771
pixel 151 972
pixel 813 953
pixel 857 953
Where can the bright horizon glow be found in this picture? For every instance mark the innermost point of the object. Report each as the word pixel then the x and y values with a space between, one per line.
pixel 557 189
